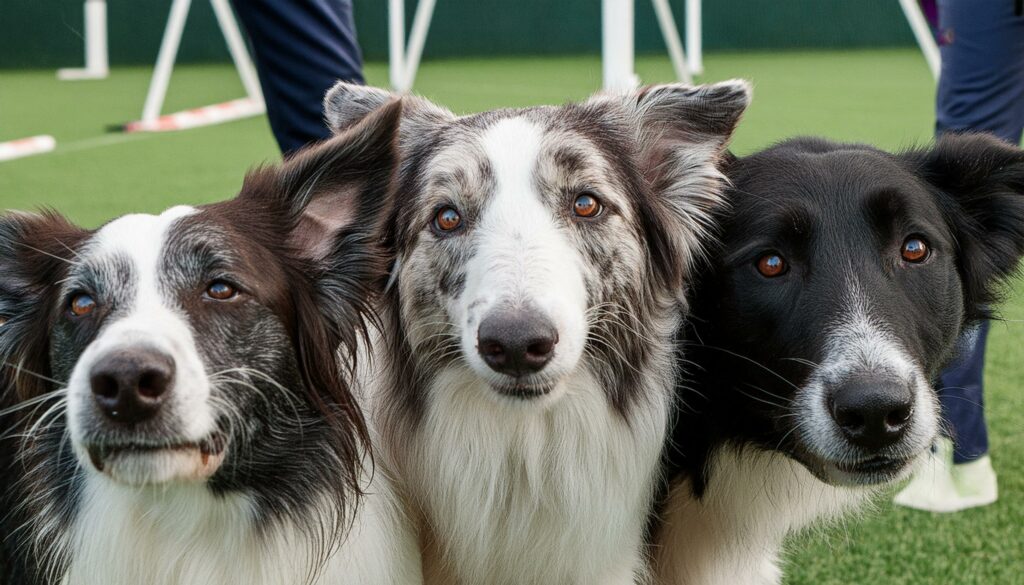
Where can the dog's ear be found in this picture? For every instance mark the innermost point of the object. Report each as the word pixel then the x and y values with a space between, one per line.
pixel 36 251
pixel 332 199
pixel 979 181
pixel 346 104
pixel 682 133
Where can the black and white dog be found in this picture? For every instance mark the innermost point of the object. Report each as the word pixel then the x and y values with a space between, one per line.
pixel 183 416
pixel 843 279
pixel 541 255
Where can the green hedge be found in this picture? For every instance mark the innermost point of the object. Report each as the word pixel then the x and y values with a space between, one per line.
pixel 46 33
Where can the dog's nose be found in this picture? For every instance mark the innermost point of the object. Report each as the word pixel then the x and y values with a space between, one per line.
pixel 517 342
pixel 873 413
pixel 130 385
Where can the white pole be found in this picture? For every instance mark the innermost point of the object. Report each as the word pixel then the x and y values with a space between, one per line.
pixel 671 34
pixel 165 60
pixel 396 43
pixel 97 65
pixel 694 40
pixel 923 34
pixel 236 45
pixel 417 39
pixel 617 45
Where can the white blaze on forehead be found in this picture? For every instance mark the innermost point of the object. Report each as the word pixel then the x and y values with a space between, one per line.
pixel 140 237
pixel 513 146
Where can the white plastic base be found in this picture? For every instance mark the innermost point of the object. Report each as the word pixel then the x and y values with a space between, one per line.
pixel 80 74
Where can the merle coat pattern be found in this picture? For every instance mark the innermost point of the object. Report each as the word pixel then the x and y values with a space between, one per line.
pixel 542 473
pixel 252 467
pixel 760 446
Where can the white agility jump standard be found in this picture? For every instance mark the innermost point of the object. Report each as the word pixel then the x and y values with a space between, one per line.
pixel 616 41
pixel 26 147
pixel 251 105
pixel 97 65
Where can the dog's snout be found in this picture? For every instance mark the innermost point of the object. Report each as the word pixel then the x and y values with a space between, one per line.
pixel 517 342
pixel 130 385
pixel 872 413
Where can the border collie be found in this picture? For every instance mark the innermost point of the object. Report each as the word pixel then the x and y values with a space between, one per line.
pixel 184 418
pixel 541 254
pixel 844 277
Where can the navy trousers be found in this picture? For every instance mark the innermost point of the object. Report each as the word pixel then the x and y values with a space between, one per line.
pixel 302 47
pixel 981 88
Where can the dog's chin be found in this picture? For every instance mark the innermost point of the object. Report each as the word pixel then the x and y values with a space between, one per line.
pixel 138 464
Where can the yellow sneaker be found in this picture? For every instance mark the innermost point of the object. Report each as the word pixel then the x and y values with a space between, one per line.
pixel 940 486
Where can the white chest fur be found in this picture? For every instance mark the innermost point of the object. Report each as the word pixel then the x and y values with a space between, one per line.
pixel 555 495
pixel 735 534
pixel 185 535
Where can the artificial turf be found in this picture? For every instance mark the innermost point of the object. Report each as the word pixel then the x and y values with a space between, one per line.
pixel 882 97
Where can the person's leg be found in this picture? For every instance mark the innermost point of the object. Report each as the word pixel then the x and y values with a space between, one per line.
pixel 302 47
pixel 981 88
pixel 960 392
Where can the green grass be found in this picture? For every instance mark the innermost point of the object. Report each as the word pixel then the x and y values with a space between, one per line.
pixel 880 97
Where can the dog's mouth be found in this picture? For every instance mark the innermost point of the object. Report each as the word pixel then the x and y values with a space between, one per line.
pixel 140 462
pixel 871 471
pixel 523 390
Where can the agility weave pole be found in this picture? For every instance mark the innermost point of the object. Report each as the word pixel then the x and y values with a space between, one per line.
pixel 27 147
pixel 252 105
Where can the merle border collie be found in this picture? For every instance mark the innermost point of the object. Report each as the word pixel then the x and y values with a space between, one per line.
pixel 541 255
pixel 844 277
pixel 183 417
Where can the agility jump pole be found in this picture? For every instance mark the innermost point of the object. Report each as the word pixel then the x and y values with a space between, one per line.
pixel 251 105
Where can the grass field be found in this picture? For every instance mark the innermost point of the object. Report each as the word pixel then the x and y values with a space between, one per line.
pixel 880 97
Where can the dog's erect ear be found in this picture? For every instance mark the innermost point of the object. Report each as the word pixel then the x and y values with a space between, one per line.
pixel 346 104
pixel 980 182
pixel 36 251
pixel 682 133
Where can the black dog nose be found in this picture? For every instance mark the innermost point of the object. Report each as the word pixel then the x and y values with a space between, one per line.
pixel 130 385
pixel 517 342
pixel 873 413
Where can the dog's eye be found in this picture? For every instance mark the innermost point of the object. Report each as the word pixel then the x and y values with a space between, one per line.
pixel 914 250
pixel 221 291
pixel 587 205
pixel 771 265
pixel 3 320
pixel 447 219
pixel 81 305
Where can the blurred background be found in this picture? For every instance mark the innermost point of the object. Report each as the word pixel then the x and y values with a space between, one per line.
pixel 842 69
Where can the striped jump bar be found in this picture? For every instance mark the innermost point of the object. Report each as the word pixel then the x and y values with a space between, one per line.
pixel 27 147
pixel 204 116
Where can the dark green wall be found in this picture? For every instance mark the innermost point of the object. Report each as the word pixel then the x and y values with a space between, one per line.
pixel 45 33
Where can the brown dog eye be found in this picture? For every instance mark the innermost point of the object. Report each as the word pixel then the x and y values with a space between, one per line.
pixel 447 219
pixel 771 265
pixel 914 250
pixel 221 291
pixel 587 205
pixel 81 305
